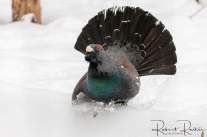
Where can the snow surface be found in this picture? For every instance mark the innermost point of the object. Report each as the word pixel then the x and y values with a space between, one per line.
pixel 39 69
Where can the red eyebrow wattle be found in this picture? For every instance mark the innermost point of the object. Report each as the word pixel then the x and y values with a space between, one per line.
pixel 99 47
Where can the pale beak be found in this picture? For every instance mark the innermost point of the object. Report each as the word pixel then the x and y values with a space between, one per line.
pixel 89 49
pixel 90 54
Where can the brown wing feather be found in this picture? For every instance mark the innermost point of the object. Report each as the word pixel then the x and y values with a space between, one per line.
pixel 79 87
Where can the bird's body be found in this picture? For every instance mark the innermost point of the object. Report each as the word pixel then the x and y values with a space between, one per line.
pixel 121 46
pixel 104 87
pixel 114 79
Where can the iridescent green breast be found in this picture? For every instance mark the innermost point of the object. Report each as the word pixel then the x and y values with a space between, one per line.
pixel 104 86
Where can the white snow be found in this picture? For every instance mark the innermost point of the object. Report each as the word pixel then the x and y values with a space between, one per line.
pixel 39 69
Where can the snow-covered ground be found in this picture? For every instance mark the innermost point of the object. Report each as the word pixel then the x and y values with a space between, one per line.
pixel 39 69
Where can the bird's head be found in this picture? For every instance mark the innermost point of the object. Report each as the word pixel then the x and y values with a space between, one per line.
pixel 92 54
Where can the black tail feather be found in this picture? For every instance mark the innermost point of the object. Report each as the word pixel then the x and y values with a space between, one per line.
pixel 138 31
pixel 124 27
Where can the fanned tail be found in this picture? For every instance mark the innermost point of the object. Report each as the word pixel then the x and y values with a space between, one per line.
pixel 136 30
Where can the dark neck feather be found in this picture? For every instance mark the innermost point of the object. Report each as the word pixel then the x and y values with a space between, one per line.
pixel 93 71
pixel 105 66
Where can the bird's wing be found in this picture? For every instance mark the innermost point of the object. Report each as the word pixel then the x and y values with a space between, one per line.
pixel 79 87
pixel 128 66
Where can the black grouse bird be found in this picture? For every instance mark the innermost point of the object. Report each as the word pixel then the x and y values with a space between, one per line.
pixel 122 44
